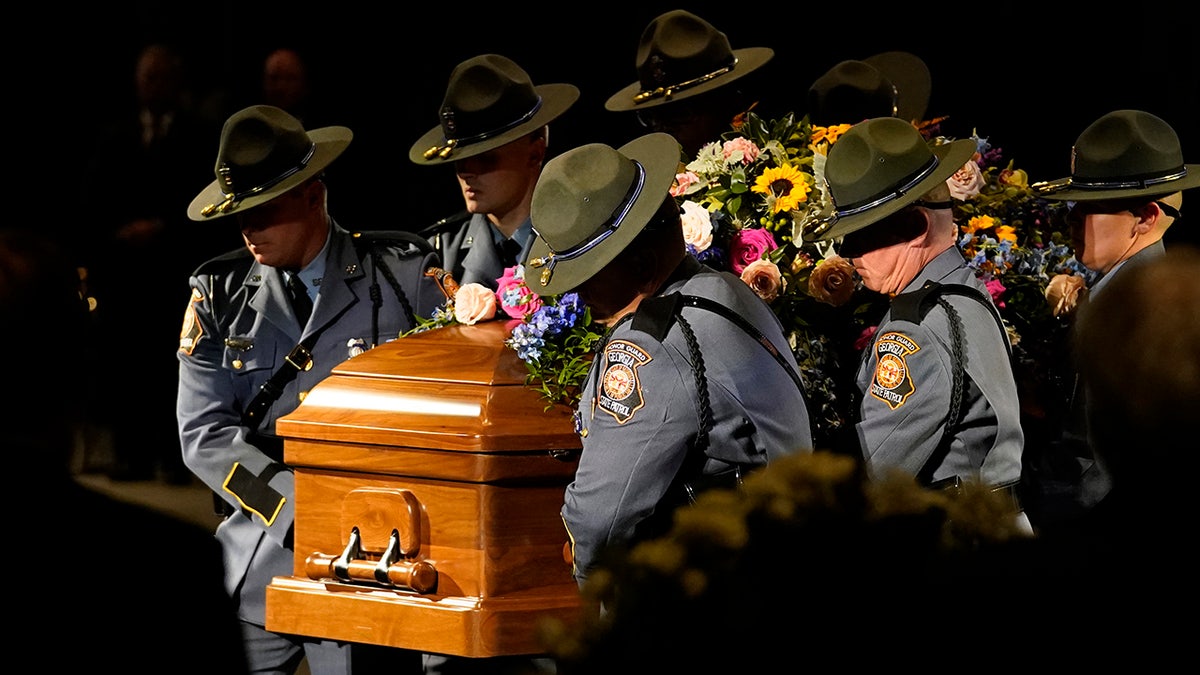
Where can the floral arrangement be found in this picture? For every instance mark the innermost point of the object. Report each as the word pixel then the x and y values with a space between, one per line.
pixel 555 336
pixel 744 199
pixel 1019 245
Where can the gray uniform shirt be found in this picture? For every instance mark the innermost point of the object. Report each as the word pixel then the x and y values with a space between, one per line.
pixel 906 377
pixel 639 413
pixel 469 251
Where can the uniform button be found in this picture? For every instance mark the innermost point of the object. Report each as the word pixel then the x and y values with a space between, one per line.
pixel 237 364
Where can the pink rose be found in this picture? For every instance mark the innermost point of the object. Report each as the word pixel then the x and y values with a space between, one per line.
pixel 514 296
pixel 474 302
pixel 740 149
pixel 764 278
pixel 966 182
pixel 748 245
pixel 697 226
pixel 865 337
pixel 996 290
pixel 683 183
pixel 832 281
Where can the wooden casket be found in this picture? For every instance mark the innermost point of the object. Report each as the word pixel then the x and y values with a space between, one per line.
pixel 429 480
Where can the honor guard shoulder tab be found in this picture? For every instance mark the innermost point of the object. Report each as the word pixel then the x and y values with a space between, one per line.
pixel 447 223
pixel 914 305
pixel 655 315
pixel 399 238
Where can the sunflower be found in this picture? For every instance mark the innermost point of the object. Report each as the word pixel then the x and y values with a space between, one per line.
pixel 785 187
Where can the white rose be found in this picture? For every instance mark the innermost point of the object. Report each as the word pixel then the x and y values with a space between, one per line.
pixel 697 226
pixel 966 182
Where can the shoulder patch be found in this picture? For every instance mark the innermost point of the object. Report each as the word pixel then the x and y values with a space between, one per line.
pixel 192 331
pixel 620 392
pixel 892 382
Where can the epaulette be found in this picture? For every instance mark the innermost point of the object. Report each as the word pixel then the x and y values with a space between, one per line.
pixel 447 223
pixel 655 315
pixel 224 262
pixel 398 238
pixel 914 305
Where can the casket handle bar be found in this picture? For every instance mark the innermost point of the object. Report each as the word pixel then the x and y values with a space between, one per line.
pixel 389 570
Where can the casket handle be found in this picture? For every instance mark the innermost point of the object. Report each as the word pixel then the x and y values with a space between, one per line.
pixel 390 569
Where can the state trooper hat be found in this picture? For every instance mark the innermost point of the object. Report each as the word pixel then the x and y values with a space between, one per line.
pixel 877 168
pixel 891 84
pixel 489 101
pixel 590 203
pixel 680 55
pixel 1125 153
pixel 263 153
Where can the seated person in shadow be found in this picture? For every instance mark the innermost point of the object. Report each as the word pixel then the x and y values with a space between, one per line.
pixel 142 592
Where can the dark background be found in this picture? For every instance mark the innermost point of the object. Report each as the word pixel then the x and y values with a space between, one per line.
pixel 1029 82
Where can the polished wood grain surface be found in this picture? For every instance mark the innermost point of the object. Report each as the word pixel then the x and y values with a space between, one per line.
pixel 454 388
pixel 431 455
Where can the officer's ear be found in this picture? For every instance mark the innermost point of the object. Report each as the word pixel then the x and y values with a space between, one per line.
pixel 314 191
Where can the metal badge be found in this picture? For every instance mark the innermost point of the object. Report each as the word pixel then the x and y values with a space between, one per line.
pixel 241 344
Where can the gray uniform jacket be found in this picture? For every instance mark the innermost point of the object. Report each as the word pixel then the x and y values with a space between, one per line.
pixel 1094 479
pixel 238 327
pixel 469 253
pixel 639 412
pixel 905 381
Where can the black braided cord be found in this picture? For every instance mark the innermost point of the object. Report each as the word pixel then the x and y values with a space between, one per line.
pixel 706 417
pixel 391 279
pixel 956 394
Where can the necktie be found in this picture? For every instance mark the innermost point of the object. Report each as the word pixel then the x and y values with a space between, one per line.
pixel 510 252
pixel 301 303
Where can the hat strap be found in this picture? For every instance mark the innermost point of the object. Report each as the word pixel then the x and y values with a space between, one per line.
pixel 668 91
pixel 895 193
pixel 447 147
pixel 1132 182
pixel 232 198
pixel 600 234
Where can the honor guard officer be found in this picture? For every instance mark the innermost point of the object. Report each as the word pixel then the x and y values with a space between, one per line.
pixel 692 84
pixel 938 398
pixel 1124 191
pixel 494 134
pixel 248 352
pixel 695 383
pixel 891 84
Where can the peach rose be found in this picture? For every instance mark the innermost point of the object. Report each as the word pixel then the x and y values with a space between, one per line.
pixel 697 226
pixel 1064 293
pixel 473 303
pixel 764 278
pixel 966 182
pixel 832 281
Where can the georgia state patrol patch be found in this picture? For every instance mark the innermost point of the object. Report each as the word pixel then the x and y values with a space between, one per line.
pixel 189 335
pixel 892 382
pixel 620 392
